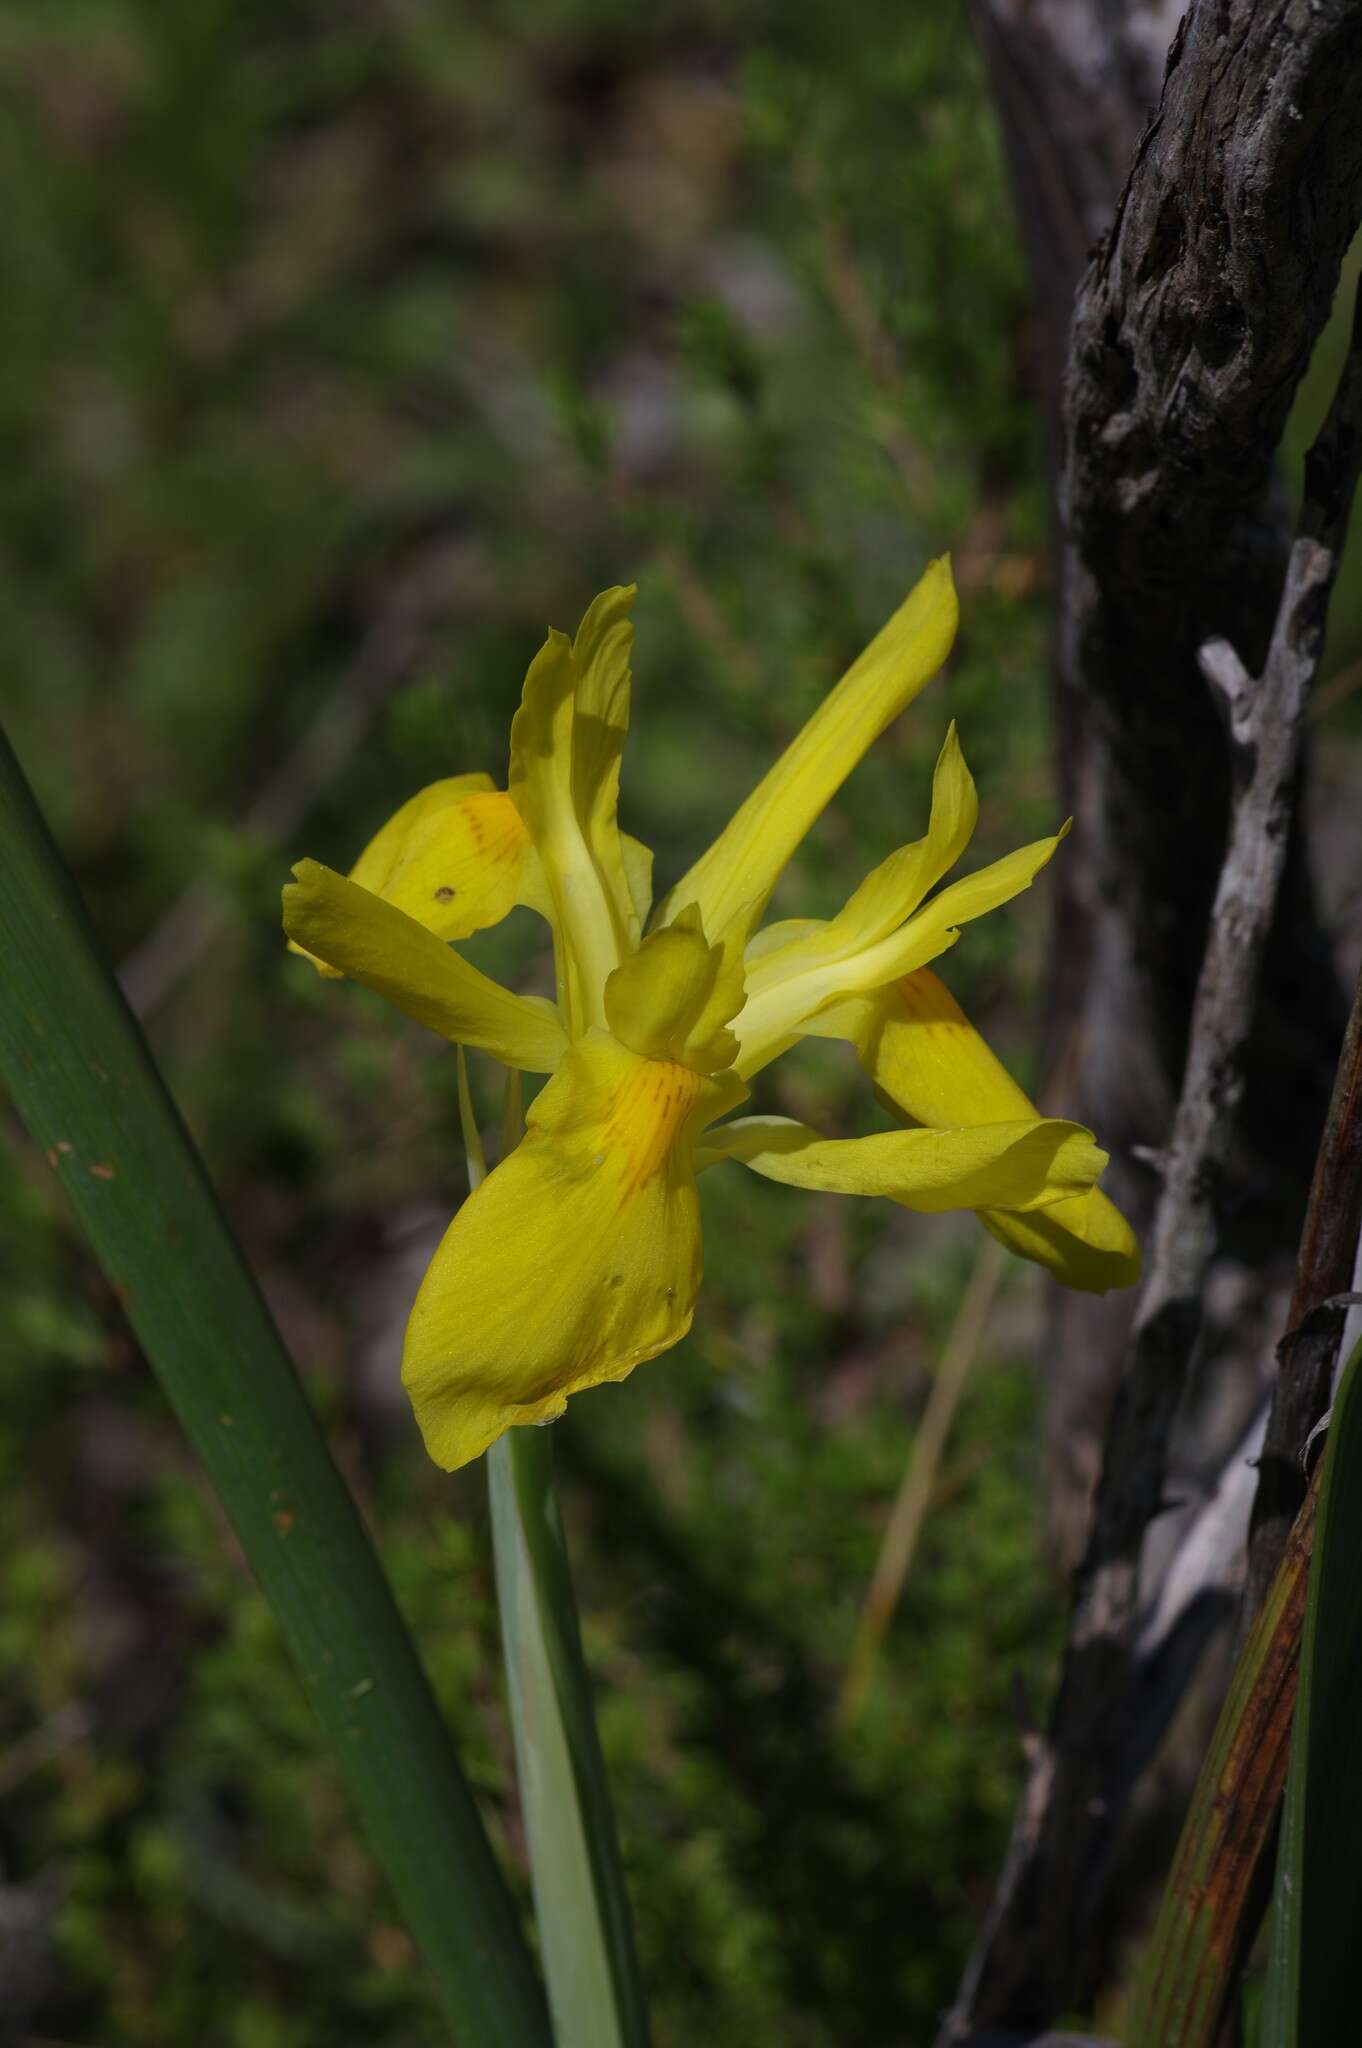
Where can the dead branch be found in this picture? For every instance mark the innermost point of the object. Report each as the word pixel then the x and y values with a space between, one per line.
pixel 1329 1246
pixel 1192 328
pixel 1197 1595
pixel 1027 1951
pixel 1074 82
pixel 1319 1303
pixel 914 1497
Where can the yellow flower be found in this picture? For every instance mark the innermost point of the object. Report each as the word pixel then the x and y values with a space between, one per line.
pixel 580 1256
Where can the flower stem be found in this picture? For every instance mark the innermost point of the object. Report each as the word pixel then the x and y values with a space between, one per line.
pixel 585 1922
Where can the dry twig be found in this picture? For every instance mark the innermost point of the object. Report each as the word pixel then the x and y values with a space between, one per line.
pixel 1030 1949
pixel 914 1496
pixel 1178 362
pixel 1064 1819
pixel 1329 1245
pixel 1319 1302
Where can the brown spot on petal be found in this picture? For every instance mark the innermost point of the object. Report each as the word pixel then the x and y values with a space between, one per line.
pixel 444 894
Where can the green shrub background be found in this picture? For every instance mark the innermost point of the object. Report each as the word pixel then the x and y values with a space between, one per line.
pixel 326 323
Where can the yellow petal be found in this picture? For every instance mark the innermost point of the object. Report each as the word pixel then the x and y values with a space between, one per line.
pixel 577 1258
pixel 601 654
pixel 1023 1165
pixel 456 857
pixel 789 988
pixel 895 888
pixel 566 741
pixel 930 1063
pixel 923 936
pixel 794 966
pixel 453 857
pixel 921 1050
pixel 775 938
pixel 638 875
pixel 672 999
pixel 373 942
pixel 1086 1242
pixel 734 879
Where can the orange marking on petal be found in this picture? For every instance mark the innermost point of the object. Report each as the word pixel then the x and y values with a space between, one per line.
pixel 495 828
pixel 645 1118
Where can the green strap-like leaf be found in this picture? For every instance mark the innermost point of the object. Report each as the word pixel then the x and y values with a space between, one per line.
pixel 85 1084
pixel 1311 1991
pixel 585 1924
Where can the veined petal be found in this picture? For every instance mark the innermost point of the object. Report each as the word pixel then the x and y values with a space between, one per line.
pixel 1086 1242
pixel 775 938
pixel 1026 1164
pixel 919 940
pixel 921 1050
pixel 638 875
pixel 456 857
pixel 673 998
pixel 929 1062
pixel 373 942
pixel 889 894
pixel 897 886
pixel 601 654
pixel 789 988
pixel 734 879
pixel 566 741
pixel 577 1258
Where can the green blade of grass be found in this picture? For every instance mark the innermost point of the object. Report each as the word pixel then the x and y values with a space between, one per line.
pixel 1311 1990
pixel 85 1084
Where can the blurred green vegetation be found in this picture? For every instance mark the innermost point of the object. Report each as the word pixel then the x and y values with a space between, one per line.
pixel 345 348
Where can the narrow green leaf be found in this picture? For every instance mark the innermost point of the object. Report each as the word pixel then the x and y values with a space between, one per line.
pixel 85 1084
pixel 585 1925
pixel 1311 1990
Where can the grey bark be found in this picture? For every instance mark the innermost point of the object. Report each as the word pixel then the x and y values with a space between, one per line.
pixel 1329 1246
pixel 1027 1965
pixel 1192 328
pixel 1172 530
pixel 1073 82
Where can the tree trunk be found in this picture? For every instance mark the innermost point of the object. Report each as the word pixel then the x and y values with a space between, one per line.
pixel 1192 326
pixel 1195 325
